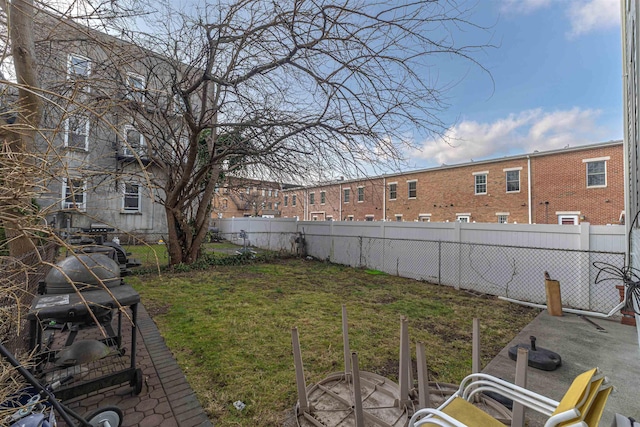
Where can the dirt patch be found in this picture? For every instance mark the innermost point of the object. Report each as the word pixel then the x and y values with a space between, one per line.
pixel 386 299
pixel 446 332
pixel 157 309
pixel 391 368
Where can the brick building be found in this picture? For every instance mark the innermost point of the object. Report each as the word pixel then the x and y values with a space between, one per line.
pixel 239 197
pixel 564 186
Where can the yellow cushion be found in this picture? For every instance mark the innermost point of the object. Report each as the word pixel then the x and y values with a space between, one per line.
pixel 468 414
pixel 576 391
pixel 582 395
pixel 597 407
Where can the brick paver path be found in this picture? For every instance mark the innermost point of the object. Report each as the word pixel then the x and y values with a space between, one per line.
pixel 166 399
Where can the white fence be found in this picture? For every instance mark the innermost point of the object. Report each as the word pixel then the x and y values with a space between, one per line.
pixel 500 259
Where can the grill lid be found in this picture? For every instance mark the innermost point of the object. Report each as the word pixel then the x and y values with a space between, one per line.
pixel 87 271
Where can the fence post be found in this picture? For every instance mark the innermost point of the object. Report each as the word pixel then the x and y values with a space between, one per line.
pixel 360 242
pixel 583 282
pixel 439 262
pixel 331 246
pixel 458 241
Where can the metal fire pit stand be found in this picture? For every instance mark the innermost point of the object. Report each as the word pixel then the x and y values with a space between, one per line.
pixel 69 308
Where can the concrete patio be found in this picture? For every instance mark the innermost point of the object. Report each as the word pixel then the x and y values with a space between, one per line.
pixel 582 345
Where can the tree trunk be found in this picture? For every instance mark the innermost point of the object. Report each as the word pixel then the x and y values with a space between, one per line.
pixel 18 163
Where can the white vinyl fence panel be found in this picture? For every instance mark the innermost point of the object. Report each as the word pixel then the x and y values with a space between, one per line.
pixel 499 259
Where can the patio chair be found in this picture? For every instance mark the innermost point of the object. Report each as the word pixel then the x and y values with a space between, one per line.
pixel 582 404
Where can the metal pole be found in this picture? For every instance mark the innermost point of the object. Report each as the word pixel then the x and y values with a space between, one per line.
pixel 517 419
pixel 345 343
pixel 475 357
pixel 403 370
pixel 423 377
pixel 297 359
pixel 357 394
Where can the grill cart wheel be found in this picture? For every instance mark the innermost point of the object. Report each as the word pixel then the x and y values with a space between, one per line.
pixel 109 416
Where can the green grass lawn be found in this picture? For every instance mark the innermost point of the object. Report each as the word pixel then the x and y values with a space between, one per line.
pixel 230 329
pixel 154 255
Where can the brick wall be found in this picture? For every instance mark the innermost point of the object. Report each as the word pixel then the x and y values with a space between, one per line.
pixel 560 185
pixel 445 193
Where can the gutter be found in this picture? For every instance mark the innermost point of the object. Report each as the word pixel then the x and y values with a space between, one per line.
pixel 384 198
pixel 529 187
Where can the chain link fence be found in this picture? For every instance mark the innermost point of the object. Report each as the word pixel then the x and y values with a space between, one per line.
pixel 514 272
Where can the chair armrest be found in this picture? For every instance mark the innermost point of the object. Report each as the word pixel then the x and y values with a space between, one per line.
pixel 429 416
pixel 478 383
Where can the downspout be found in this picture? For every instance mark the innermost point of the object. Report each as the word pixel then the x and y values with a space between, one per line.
pixel 625 138
pixel 340 199
pixel 384 199
pixel 529 186
pixel 305 206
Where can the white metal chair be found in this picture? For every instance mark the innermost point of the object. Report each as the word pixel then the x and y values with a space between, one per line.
pixel 582 405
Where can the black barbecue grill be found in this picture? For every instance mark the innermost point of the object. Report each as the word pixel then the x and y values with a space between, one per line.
pixel 81 293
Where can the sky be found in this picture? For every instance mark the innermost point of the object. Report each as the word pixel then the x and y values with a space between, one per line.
pixel 555 81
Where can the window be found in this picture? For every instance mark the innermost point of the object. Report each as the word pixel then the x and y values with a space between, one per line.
pixel 312 198
pixel 329 218
pixel 597 173
pixel 513 181
pixel 294 200
pixel 463 217
pixel 276 194
pixel 270 192
pixel 393 191
pixel 276 205
pixel 76 133
pixel 286 201
pixel 131 199
pixel 360 194
pixel 424 217
pixel 398 218
pixel 413 187
pixel 347 194
pixel 503 218
pixel 136 86
pixel 134 143
pixel 350 218
pixel 323 197
pixel 74 193
pixel 481 182
pixel 314 218
pixel 264 192
pixel 248 190
pixel 78 67
pixel 368 217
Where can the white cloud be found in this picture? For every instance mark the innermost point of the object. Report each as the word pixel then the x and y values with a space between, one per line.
pixel 586 16
pixel 524 6
pixel 519 133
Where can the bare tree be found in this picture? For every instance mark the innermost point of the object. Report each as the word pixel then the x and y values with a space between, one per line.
pixel 245 88
pixel 286 89
pixel 20 124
